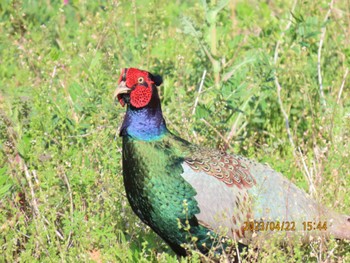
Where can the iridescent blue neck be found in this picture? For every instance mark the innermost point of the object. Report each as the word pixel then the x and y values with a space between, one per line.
pixel 146 124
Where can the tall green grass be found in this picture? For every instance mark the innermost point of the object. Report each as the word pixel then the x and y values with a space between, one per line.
pixel 61 192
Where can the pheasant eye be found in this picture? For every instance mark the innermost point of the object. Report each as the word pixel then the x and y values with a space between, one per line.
pixel 140 80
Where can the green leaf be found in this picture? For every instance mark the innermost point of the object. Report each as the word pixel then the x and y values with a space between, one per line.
pixel 95 61
pixel 75 91
pixel 202 112
pixel 189 28
pixel 24 146
pixel 54 54
pixel 5 182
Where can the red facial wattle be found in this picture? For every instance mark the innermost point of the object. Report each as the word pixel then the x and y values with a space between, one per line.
pixel 140 84
pixel 140 96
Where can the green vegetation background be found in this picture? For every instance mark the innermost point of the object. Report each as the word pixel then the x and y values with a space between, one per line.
pixel 61 192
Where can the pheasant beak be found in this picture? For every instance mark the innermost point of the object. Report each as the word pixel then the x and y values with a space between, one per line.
pixel 120 90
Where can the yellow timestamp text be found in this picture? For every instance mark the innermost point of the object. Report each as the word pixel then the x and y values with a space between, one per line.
pixel 269 226
pixel 256 226
pixel 310 225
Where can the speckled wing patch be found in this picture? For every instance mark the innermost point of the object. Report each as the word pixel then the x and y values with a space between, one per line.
pixel 229 169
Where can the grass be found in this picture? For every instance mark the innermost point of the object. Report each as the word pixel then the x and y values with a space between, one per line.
pixel 61 191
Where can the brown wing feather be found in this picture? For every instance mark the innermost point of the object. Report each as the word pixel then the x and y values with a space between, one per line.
pixel 227 168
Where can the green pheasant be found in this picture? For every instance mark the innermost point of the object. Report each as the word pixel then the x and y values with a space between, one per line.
pixel 190 195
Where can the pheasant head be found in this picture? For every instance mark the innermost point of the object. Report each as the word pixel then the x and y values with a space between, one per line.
pixel 138 90
pixel 136 87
